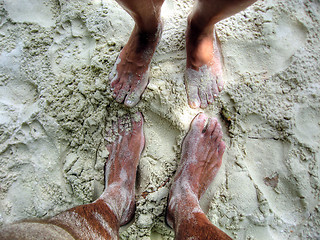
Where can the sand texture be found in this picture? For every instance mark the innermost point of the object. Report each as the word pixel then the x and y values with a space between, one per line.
pixel 56 106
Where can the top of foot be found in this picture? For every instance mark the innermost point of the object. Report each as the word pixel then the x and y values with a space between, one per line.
pixel 121 167
pixel 201 158
pixel 203 77
pixel 129 77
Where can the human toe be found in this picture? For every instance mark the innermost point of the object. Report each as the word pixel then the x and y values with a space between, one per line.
pixel 135 93
pixel 203 99
pixel 194 103
pixel 217 133
pixel 132 99
pixel 214 89
pixel 193 97
pixel 198 123
pixel 221 149
pixel 210 97
pixel 220 84
pixel 212 122
pixel 113 75
pixel 116 89
pixel 122 93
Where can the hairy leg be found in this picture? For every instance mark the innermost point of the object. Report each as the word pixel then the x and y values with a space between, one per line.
pixel 201 159
pixel 204 60
pixel 129 77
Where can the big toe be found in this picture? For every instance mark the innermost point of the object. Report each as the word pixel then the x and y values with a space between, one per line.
pixel 134 95
pixel 132 99
pixel 193 97
pixel 199 121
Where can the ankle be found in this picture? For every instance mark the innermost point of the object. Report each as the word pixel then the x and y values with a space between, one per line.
pixel 199 44
pixel 149 26
pixel 150 32
pixel 121 202
pixel 199 27
pixel 181 204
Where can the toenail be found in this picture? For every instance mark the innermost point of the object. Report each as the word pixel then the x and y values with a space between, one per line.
pixel 195 103
pixel 129 102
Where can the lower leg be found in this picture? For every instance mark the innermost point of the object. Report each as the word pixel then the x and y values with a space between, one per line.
pixel 190 222
pixel 91 221
pixel 145 13
pixel 207 13
pixel 115 207
pixel 129 77
pixel 201 158
pixel 204 61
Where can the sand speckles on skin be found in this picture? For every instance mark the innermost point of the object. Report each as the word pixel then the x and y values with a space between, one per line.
pixel 56 109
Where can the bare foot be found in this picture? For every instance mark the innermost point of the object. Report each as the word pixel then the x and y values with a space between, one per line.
pixel 115 207
pixel 201 159
pixel 129 77
pixel 121 167
pixel 203 78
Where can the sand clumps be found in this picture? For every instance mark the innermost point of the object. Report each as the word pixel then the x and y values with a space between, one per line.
pixel 56 107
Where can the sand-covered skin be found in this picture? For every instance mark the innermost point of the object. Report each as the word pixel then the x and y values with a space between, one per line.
pixel 56 106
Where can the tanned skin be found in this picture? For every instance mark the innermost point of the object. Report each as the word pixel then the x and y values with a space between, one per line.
pixel 204 65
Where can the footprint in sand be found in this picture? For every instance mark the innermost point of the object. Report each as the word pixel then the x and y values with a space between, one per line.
pixel 307 127
pixel 283 37
pixel 73 46
pixel 32 11
pixel 269 165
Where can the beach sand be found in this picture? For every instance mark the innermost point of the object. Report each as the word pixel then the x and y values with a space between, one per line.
pixel 56 106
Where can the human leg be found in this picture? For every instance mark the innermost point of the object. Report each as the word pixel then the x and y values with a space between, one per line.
pixel 201 159
pixel 129 78
pixel 114 208
pixel 204 60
